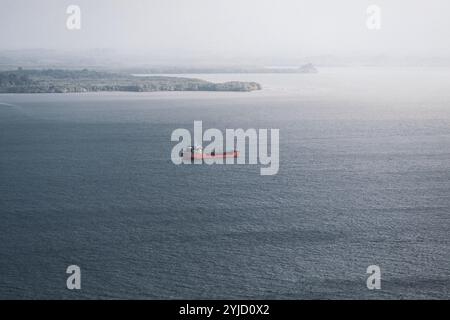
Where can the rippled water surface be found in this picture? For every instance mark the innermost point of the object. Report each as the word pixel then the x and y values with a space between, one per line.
pixel 364 179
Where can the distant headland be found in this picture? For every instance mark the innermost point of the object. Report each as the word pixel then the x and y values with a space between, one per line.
pixel 66 81
pixel 305 68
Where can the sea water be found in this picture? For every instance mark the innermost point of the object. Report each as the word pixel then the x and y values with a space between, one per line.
pixel 364 179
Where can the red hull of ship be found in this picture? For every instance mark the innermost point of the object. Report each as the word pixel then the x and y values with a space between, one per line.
pixel 234 154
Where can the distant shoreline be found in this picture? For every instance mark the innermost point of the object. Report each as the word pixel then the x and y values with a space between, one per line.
pixel 79 81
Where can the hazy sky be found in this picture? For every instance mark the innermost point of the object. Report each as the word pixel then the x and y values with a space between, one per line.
pixel 251 28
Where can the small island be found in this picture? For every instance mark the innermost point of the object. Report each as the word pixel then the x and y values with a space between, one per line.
pixel 65 81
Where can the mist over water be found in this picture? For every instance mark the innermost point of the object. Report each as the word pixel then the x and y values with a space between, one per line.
pixel 364 179
pixel 180 32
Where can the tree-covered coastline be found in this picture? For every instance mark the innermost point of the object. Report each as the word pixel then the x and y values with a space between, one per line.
pixel 65 81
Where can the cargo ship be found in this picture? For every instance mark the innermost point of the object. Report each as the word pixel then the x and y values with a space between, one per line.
pixel 196 153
